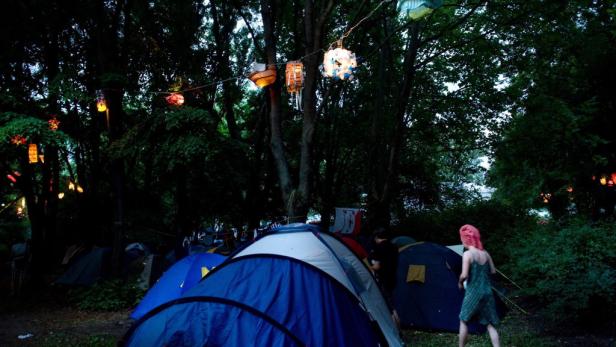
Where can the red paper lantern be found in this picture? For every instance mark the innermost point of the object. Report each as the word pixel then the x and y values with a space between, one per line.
pixel 614 176
pixel 263 78
pixel 18 140
pixel 175 99
pixel 53 124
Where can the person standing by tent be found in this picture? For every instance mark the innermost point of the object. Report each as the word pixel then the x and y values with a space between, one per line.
pixel 477 265
pixel 384 262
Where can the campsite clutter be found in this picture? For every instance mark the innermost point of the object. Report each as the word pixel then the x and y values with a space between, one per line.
pixel 276 291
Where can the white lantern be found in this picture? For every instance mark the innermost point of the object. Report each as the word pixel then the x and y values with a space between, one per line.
pixel 339 63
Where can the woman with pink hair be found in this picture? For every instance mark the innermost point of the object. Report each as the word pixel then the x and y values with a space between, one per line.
pixel 477 265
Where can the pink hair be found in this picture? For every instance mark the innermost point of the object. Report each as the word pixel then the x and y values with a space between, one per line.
pixel 470 236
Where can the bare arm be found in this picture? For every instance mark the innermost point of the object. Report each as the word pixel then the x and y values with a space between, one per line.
pixel 466 262
pixel 492 267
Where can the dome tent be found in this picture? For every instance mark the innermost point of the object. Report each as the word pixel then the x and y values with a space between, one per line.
pixel 303 286
pixel 426 295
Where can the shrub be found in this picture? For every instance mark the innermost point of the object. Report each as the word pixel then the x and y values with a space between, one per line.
pixel 570 270
pixel 109 295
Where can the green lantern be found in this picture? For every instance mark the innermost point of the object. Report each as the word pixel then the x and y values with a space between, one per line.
pixel 417 9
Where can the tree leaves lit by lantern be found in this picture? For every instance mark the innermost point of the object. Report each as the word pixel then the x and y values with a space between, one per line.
pixel 417 9
pixel 18 140
pixel 262 75
pixel 339 63
pixel 295 81
pixel 175 99
pixel 101 104
pixel 32 153
pixel 54 123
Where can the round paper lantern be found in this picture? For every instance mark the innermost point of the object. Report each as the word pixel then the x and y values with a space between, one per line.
pixel 262 76
pixel 417 9
pixel 603 180
pixel 175 99
pixel 53 124
pixel 295 80
pixel 339 63
pixel 101 104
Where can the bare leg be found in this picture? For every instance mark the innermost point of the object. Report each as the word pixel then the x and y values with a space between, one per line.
pixel 463 334
pixel 493 335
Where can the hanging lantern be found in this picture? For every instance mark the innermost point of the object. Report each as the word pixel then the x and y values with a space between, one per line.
pixel 60 195
pixel 79 189
pixel 295 80
pixel 603 180
pixel 339 63
pixel 175 99
pixel 262 75
pixel 613 176
pixel 54 123
pixel 11 178
pixel 610 183
pixel 101 104
pixel 18 140
pixel 32 153
pixel 545 197
pixel 71 185
pixel 417 9
pixel 569 189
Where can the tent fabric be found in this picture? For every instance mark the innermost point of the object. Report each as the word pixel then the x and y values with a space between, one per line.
pixel 88 269
pixel 178 279
pixel 434 304
pixel 402 241
pixel 307 243
pixel 314 307
pixel 206 321
pixel 355 246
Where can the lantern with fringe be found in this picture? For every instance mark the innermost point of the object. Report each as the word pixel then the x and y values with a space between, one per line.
pixel 175 99
pixel 262 75
pixel 18 140
pixel 339 63
pixel 295 81
pixel 32 153
pixel 417 9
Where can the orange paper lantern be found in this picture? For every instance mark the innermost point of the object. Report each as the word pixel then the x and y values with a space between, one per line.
pixel 53 124
pixel 263 78
pixel 18 140
pixel 101 104
pixel 175 99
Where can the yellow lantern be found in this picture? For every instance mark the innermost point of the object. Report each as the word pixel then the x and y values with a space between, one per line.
pixel 295 80
pixel 32 153
pixel 71 185
pixel 79 189
pixel 262 76
pixel 101 104
pixel 60 196
pixel 339 63
pixel 603 180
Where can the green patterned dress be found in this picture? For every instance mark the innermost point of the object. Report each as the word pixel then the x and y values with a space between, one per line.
pixel 478 300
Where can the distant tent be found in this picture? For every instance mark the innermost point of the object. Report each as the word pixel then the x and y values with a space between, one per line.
pixel 426 295
pixel 402 241
pixel 347 221
pixel 457 248
pixel 88 269
pixel 177 280
pixel 296 286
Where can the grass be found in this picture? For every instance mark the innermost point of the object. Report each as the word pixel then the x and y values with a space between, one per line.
pixel 69 340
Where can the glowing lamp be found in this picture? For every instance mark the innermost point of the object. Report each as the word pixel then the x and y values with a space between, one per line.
pixel 101 104
pixel 71 186
pixel 18 140
pixel 32 153
pixel 53 124
pixel 417 9
pixel 295 80
pixel 262 76
pixel 613 176
pixel 570 189
pixel 11 178
pixel 79 189
pixel 610 183
pixel 339 64
pixel 175 99
pixel 60 196
pixel 603 180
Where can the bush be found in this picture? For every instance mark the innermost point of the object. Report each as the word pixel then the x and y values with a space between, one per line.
pixel 109 295
pixel 570 270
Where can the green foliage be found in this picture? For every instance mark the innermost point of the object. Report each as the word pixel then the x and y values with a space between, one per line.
pixel 109 295
pixel 570 269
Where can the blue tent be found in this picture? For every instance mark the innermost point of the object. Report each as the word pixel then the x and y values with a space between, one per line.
pixel 426 295
pixel 178 279
pixel 293 287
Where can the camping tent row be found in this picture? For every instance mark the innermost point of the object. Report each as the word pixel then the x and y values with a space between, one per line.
pixel 296 286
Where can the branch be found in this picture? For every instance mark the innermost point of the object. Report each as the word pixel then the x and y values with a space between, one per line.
pixel 455 25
